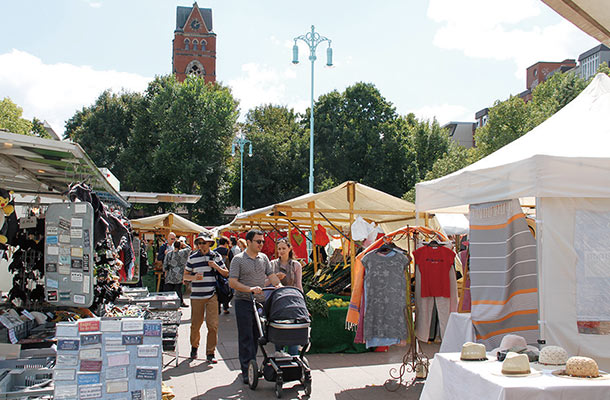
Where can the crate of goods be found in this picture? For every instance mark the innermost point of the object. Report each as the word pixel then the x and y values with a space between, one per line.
pixel 135 292
pixel 155 301
pixel 26 383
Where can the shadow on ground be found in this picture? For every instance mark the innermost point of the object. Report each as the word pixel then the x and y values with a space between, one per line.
pixel 379 392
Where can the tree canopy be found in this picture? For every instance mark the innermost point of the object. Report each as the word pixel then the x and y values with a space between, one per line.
pixel 11 120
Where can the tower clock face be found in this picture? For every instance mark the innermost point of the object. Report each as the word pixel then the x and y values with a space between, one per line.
pixel 195 24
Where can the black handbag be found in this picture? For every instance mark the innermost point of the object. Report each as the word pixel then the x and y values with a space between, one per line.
pixel 223 290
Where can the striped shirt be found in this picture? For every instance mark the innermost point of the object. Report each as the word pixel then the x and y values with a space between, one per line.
pixel 198 264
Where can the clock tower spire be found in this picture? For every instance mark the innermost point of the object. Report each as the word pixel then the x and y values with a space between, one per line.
pixel 194 44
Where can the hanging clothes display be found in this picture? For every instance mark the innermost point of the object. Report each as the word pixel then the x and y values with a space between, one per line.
pixel 322 238
pixel 385 291
pixel 464 304
pixel 435 285
pixel 299 244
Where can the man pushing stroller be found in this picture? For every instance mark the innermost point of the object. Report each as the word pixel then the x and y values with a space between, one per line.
pixel 247 275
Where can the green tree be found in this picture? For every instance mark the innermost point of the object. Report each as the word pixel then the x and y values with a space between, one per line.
pixel 552 95
pixel 103 129
pixel 357 137
pixel 194 124
pixel 277 170
pixel 10 118
pixel 507 121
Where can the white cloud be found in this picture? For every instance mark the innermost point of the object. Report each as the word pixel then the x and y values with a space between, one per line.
pixel 444 113
pixel 54 92
pixel 94 4
pixel 505 30
pixel 260 84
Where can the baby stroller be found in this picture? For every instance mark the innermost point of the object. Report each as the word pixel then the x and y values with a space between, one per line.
pixel 284 322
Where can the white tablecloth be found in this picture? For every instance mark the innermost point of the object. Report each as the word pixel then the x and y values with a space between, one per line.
pixel 459 331
pixel 450 378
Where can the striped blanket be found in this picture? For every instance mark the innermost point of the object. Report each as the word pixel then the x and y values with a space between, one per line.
pixel 504 281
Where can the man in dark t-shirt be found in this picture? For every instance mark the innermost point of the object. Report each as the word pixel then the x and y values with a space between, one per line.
pixel 223 250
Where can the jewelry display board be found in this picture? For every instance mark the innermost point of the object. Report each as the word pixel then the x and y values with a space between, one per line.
pixel 68 254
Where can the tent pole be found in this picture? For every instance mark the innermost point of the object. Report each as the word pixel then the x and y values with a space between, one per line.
pixel 539 239
pixel 352 246
pixel 312 206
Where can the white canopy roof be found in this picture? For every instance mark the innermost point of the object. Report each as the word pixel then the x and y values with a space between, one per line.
pixel 168 221
pixel 568 155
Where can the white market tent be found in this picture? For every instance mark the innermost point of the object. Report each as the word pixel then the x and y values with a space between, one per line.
pixel 167 222
pixel 565 163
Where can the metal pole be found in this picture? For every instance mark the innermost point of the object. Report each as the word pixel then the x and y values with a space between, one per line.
pixel 241 183
pixel 312 39
pixel 313 59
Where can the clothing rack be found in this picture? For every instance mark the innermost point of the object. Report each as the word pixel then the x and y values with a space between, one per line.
pixel 414 359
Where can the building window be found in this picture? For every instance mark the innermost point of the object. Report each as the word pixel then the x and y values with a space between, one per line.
pixel 195 68
pixel 203 45
pixel 195 42
pixel 186 44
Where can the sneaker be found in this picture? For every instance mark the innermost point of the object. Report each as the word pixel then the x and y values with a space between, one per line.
pixel 211 359
pixel 184 305
pixel 193 353
pixel 245 378
pixel 227 312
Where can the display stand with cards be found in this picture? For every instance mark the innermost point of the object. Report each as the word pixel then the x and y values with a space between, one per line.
pixel 68 255
pixel 109 358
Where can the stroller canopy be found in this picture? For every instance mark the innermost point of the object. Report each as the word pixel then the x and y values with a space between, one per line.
pixel 286 303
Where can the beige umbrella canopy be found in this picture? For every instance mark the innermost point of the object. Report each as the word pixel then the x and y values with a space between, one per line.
pixel 166 223
pixel 591 16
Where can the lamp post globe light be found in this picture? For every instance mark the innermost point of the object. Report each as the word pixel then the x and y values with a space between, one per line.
pixel 240 142
pixel 312 39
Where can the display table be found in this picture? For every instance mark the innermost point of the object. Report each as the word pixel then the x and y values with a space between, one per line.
pixel 450 378
pixel 459 331
pixel 328 335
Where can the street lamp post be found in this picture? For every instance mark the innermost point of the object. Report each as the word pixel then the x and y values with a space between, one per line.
pixel 241 141
pixel 312 39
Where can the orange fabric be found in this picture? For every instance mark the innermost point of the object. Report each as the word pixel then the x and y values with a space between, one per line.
pixel 499 226
pixel 499 302
pixel 353 312
pixel 508 330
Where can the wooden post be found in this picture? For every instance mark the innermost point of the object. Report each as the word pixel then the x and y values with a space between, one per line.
pixel 312 206
pixel 351 197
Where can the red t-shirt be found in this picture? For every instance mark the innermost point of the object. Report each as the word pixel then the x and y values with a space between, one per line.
pixel 434 264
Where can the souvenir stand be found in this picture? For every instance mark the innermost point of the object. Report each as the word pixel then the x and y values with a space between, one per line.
pixel 571 182
pixel 63 260
pixel 333 211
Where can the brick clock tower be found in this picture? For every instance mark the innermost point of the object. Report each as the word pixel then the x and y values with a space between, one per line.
pixel 194 44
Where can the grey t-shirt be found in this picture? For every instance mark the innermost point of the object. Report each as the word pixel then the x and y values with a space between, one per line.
pixel 250 272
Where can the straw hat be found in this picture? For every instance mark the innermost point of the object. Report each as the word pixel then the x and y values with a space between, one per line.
pixel 473 352
pixel 514 343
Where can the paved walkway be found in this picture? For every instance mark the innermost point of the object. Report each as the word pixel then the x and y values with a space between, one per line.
pixel 334 376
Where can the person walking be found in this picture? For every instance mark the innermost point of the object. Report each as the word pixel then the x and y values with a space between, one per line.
pixel 235 250
pixel 224 251
pixel 247 275
pixel 173 265
pixel 290 273
pixel 201 269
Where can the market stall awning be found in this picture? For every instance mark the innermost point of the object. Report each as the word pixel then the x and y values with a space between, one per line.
pixel 154 198
pixel 333 205
pixel 168 222
pixel 591 16
pixel 565 156
pixel 33 165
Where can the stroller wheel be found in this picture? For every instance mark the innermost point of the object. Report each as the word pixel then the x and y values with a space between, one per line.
pixel 307 385
pixel 278 388
pixel 252 374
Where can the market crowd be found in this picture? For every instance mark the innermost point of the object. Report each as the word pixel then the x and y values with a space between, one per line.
pixel 248 271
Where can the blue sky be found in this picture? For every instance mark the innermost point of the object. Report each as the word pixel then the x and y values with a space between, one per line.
pixel 438 58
